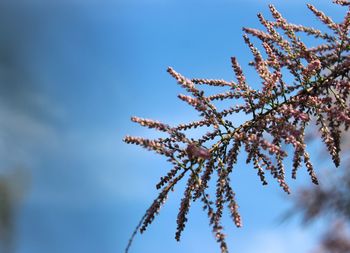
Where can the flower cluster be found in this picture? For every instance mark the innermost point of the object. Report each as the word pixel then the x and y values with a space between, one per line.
pixel 316 90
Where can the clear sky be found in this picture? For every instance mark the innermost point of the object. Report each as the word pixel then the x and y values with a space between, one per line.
pixel 72 74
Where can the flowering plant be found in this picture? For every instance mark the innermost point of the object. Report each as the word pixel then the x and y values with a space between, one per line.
pixel 280 113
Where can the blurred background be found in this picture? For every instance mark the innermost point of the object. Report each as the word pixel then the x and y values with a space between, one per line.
pixel 71 75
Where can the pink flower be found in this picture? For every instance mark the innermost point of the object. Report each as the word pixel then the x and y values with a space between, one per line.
pixel 193 151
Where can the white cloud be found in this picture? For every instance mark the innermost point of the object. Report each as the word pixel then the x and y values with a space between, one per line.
pixel 281 241
pixel 20 135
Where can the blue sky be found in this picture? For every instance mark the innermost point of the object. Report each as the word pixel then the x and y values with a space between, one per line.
pixel 73 74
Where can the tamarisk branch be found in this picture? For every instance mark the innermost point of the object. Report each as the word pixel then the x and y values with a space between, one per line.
pixel 318 91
